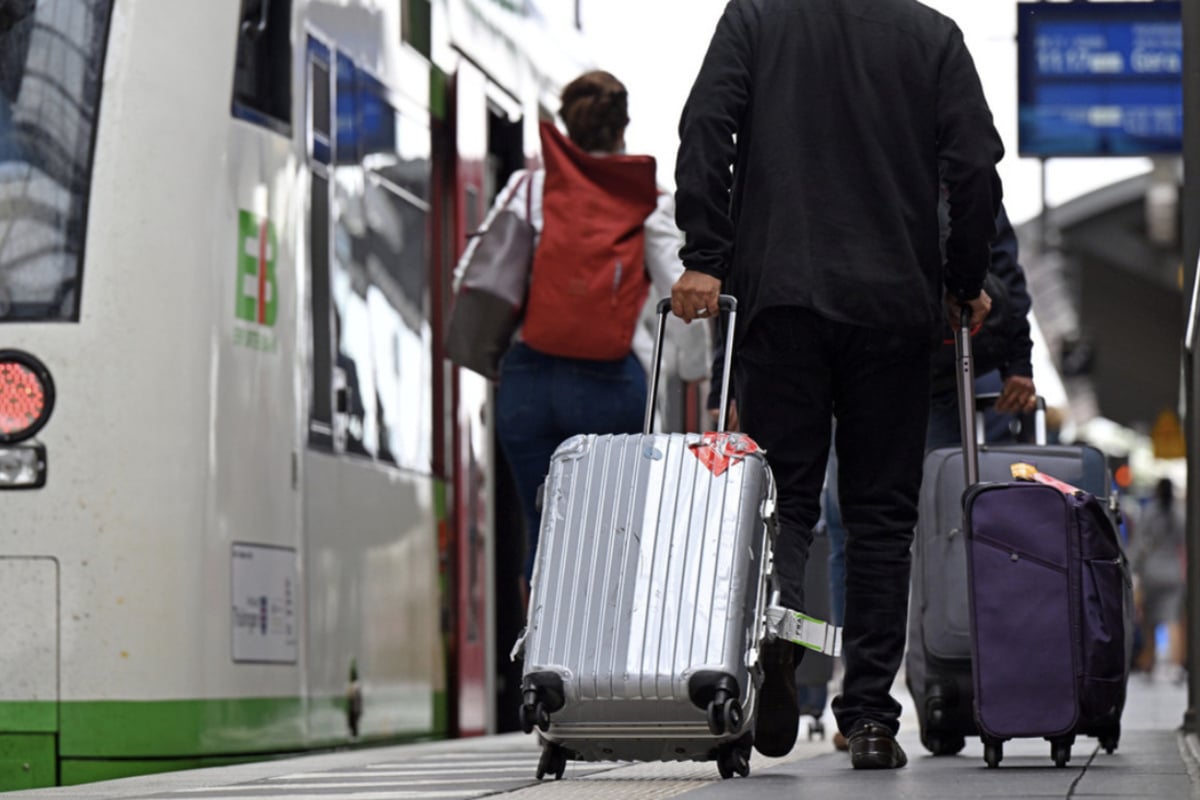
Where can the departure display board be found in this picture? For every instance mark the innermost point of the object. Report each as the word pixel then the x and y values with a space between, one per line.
pixel 1099 79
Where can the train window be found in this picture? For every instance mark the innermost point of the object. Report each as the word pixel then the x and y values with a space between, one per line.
pixel 382 312
pixel 346 102
pixel 321 399
pixel 262 77
pixel 378 281
pixel 319 110
pixel 51 62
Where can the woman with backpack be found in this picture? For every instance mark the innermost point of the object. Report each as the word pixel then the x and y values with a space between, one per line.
pixel 605 244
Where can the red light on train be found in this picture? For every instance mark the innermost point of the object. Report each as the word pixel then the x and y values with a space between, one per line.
pixel 26 395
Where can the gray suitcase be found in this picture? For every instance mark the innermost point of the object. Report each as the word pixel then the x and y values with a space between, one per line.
pixel 648 599
pixel 938 657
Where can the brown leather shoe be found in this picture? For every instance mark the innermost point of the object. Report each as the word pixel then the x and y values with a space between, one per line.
pixel 778 720
pixel 874 746
pixel 839 742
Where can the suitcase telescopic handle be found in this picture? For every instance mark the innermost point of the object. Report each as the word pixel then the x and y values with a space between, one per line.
pixel 965 376
pixel 969 405
pixel 728 304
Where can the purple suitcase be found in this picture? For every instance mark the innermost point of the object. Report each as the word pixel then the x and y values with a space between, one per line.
pixel 1050 598
pixel 1050 607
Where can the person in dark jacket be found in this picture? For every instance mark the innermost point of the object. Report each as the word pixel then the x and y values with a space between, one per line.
pixel 807 186
pixel 1002 349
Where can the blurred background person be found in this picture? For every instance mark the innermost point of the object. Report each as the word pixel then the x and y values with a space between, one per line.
pixel 1157 556
pixel 1002 349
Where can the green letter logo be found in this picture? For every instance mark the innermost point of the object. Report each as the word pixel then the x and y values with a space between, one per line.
pixel 257 298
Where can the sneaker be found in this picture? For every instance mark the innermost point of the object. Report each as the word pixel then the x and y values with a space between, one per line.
pixel 778 720
pixel 874 746
pixel 839 742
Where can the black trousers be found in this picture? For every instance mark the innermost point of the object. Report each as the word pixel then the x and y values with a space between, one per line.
pixel 795 371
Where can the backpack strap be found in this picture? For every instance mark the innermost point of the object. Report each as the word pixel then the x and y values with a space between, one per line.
pixel 528 178
pixel 525 178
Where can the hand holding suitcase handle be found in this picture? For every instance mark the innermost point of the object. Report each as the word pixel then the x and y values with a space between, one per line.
pixel 727 303
pixel 969 405
pixel 988 399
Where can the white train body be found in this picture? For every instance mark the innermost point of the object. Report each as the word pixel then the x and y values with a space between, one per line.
pixel 241 530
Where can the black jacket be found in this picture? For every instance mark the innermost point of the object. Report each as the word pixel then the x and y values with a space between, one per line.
pixel 1003 342
pixel 842 110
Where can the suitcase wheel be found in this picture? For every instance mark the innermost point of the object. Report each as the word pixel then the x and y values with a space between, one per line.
pixel 943 744
pixel 533 712
pixel 993 752
pixel 733 758
pixel 553 761
pixel 1060 752
pixel 542 694
pixel 816 728
pixel 725 715
pixel 1109 743
pixel 534 715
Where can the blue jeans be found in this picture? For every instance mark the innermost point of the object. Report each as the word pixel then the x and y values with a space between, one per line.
pixel 542 400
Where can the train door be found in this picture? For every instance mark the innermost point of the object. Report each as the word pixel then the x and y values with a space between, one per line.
pixel 488 137
pixel 506 154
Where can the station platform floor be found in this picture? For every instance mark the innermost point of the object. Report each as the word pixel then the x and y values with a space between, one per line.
pixel 1154 760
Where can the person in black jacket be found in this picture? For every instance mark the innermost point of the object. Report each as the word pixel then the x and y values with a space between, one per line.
pixel 1002 349
pixel 807 185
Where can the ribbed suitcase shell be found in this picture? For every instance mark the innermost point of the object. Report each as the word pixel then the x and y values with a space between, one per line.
pixel 649 568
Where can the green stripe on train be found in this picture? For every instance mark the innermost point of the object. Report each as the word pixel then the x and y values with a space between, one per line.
pixel 27 717
pixel 186 728
pixel 113 739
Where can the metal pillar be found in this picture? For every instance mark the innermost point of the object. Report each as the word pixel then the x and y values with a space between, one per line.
pixel 1191 248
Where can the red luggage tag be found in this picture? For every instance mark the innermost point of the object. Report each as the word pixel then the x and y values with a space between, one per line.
pixel 1028 472
pixel 718 451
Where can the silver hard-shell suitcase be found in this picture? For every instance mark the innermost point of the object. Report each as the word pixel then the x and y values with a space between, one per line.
pixel 648 600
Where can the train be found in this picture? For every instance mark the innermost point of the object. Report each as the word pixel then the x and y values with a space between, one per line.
pixel 247 507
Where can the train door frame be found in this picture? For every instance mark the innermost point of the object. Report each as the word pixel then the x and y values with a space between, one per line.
pixel 470 463
pixel 441 265
pixel 488 134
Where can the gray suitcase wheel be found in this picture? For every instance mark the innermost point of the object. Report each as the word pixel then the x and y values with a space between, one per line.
pixel 553 761
pixel 943 744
